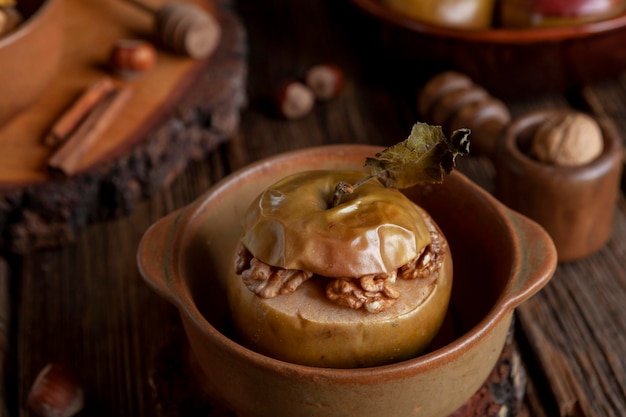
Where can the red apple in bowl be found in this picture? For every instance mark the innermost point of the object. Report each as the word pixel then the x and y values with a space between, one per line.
pixel 546 13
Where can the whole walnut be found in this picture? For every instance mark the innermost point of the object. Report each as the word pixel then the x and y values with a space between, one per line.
pixel 569 139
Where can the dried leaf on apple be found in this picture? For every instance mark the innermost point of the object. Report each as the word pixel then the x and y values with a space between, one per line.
pixel 423 157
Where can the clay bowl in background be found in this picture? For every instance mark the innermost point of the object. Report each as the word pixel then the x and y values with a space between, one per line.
pixel 500 259
pixel 30 56
pixel 510 63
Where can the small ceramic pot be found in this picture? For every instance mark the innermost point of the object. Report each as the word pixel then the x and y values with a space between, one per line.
pixel 576 205
pixel 30 56
pixel 500 259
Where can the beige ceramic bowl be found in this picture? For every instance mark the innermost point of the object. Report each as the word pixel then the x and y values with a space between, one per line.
pixel 500 260
pixel 30 56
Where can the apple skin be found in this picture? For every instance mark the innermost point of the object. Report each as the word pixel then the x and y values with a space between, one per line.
pixel 305 328
pixel 290 225
pixel 461 14
pixel 576 8
pixel 550 13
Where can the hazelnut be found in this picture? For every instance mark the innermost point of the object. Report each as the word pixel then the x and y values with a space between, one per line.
pixel 56 392
pixel 295 100
pixel 131 57
pixel 325 80
pixel 569 139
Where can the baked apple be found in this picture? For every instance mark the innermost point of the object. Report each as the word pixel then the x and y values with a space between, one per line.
pixel 337 269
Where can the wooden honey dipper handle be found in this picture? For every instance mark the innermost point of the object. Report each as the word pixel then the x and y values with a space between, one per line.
pixel 453 101
pixel 184 27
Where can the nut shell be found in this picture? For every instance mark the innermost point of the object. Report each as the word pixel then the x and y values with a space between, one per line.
pixel 56 392
pixel 569 139
pixel 325 80
pixel 131 57
pixel 294 100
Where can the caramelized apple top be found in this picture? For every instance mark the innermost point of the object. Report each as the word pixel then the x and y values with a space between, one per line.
pixel 294 225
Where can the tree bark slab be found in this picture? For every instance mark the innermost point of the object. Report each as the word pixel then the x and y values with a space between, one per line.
pixel 205 115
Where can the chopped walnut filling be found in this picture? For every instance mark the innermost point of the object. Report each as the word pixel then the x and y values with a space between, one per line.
pixel 265 280
pixel 427 262
pixel 375 292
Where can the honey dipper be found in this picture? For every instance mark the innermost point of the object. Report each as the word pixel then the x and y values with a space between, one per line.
pixel 185 28
pixel 452 100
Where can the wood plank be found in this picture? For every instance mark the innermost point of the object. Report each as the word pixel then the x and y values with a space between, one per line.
pixel 86 306
pixel 6 343
pixel 577 325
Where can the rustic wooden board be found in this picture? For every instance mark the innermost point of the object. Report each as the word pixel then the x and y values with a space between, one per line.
pixel 90 30
pixel 165 125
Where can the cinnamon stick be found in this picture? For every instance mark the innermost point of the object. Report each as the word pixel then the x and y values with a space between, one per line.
pixel 78 111
pixel 68 158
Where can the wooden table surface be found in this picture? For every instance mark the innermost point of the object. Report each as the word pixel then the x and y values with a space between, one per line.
pixel 85 304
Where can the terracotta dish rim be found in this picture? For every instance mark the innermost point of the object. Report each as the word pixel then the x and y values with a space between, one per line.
pixel 176 291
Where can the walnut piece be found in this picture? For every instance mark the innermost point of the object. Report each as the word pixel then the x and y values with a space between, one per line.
pixel 375 292
pixel 569 139
pixel 426 262
pixel 265 280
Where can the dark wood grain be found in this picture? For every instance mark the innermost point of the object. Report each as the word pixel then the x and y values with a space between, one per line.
pixel 84 303
pixel 5 336
pixel 94 313
pixel 577 326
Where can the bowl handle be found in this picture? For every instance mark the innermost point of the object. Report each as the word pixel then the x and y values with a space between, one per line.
pixel 154 255
pixel 537 260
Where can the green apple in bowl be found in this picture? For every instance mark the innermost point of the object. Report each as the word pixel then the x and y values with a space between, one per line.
pixel 462 14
